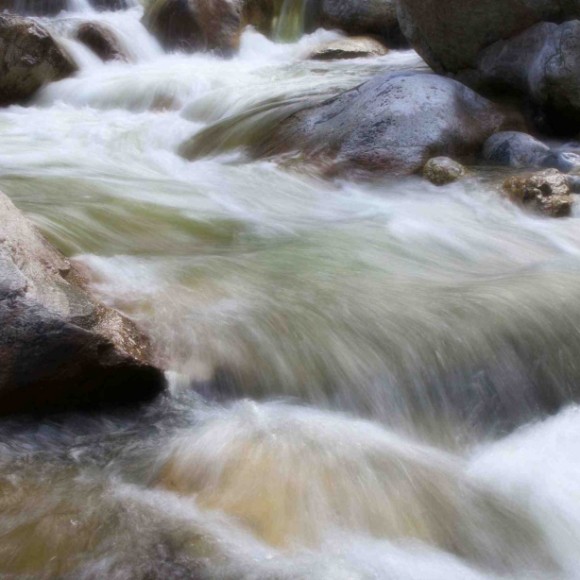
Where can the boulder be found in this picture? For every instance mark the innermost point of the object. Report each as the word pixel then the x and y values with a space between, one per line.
pixel 29 58
pixel 443 170
pixel 60 348
pixel 547 192
pixel 542 66
pixel 195 25
pixel 515 149
pixel 353 47
pixel 372 17
pixel 450 34
pixel 393 123
pixel 101 41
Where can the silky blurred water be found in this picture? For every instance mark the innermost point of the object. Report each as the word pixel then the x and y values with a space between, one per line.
pixel 368 380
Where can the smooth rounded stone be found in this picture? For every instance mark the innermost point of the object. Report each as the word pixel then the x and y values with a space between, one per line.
pixel 29 59
pixel 346 48
pixel 574 183
pixel 564 161
pixel 541 65
pixel 195 25
pixel 393 123
pixel 371 17
pixel 450 34
pixel 101 41
pixel 547 192
pixel 60 348
pixel 514 149
pixel 443 170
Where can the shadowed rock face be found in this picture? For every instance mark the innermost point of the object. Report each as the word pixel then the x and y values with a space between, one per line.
pixel 377 17
pixel 29 58
pixel 393 123
pixel 59 348
pixel 542 65
pixel 449 34
pixel 195 25
pixel 101 41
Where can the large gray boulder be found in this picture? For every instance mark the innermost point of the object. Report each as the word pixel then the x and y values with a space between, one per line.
pixel 450 34
pixel 196 25
pixel 541 65
pixel 59 347
pixel 29 58
pixel 393 123
pixel 376 17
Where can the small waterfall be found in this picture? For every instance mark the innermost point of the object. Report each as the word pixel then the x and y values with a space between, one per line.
pixel 289 24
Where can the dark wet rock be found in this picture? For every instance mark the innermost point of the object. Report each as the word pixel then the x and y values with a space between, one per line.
pixel 546 192
pixel 450 34
pixel 195 25
pixel 101 41
pixel 353 47
pixel 393 123
pixel 515 149
pixel 29 59
pixel 443 170
pixel 519 150
pixel 59 347
pixel 372 17
pixel 542 66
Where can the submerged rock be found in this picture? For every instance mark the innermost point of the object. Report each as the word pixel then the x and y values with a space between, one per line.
pixel 353 47
pixel 101 41
pixel 59 347
pixel 195 25
pixel 547 192
pixel 374 17
pixel 443 170
pixel 29 59
pixel 393 123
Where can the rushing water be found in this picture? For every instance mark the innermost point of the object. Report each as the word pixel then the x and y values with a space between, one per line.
pixel 397 364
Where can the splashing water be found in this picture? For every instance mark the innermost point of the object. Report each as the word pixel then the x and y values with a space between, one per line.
pixel 385 373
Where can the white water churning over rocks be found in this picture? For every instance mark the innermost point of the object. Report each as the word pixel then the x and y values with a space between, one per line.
pixel 370 380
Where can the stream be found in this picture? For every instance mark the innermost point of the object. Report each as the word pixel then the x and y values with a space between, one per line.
pixel 368 380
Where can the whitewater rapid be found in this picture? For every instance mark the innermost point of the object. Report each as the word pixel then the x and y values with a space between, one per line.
pixel 368 380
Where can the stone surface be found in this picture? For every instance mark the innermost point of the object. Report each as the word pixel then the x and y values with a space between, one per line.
pixel 101 41
pixel 450 34
pixel 546 192
pixel 346 48
pixel 29 58
pixel 443 170
pixel 515 149
pixel 372 17
pixel 59 347
pixel 394 123
pixel 542 66
pixel 195 25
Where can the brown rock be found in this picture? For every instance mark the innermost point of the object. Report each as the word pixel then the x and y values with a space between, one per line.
pixel 547 192
pixel 59 347
pixel 443 170
pixel 101 41
pixel 353 47
pixel 195 25
pixel 29 58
